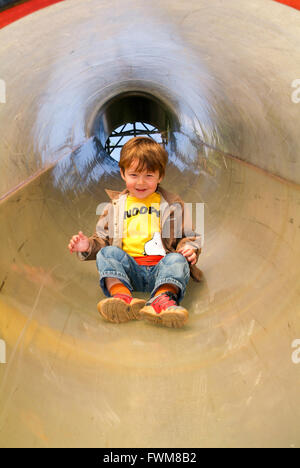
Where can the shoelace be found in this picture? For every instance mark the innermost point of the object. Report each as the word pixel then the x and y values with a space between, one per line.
pixel 164 301
pixel 124 297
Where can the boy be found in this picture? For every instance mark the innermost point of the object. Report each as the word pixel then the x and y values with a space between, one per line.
pixel 143 242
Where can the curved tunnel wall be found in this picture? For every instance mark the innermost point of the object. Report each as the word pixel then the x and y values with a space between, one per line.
pixel 219 88
pixel 129 108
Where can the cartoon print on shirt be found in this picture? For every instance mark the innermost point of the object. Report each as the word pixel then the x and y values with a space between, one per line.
pixel 154 246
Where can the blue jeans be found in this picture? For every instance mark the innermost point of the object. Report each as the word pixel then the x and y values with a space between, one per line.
pixel 113 262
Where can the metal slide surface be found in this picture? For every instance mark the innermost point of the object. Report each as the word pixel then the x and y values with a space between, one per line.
pixel 230 378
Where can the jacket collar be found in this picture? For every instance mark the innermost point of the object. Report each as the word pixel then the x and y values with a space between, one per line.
pixel 168 196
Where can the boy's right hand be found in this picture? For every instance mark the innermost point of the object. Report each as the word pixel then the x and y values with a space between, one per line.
pixel 79 243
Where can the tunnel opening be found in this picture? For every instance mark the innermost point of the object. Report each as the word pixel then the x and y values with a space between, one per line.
pixel 133 114
pixel 125 132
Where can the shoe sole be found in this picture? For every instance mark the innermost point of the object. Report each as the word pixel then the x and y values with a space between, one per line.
pixel 116 310
pixel 170 318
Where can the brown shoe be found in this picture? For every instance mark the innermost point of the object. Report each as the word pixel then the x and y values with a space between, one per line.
pixel 120 308
pixel 164 310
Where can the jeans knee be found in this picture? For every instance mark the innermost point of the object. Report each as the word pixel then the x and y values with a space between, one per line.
pixel 110 251
pixel 179 260
pixel 175 257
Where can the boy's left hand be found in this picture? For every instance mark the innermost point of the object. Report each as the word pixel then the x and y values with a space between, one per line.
pixel 189 254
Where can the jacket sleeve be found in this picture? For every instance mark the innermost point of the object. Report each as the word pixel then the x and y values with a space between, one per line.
pixel 184 231
pixel 100 238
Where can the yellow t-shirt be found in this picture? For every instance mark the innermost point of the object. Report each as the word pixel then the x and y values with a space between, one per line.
pixel 141 229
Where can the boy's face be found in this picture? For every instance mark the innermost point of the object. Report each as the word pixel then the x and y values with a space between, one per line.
pixel 140 184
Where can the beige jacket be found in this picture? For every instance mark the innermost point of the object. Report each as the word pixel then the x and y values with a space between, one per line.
pixel 176 228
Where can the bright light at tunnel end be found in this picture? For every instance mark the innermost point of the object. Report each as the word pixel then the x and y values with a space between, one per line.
pixel 296 93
